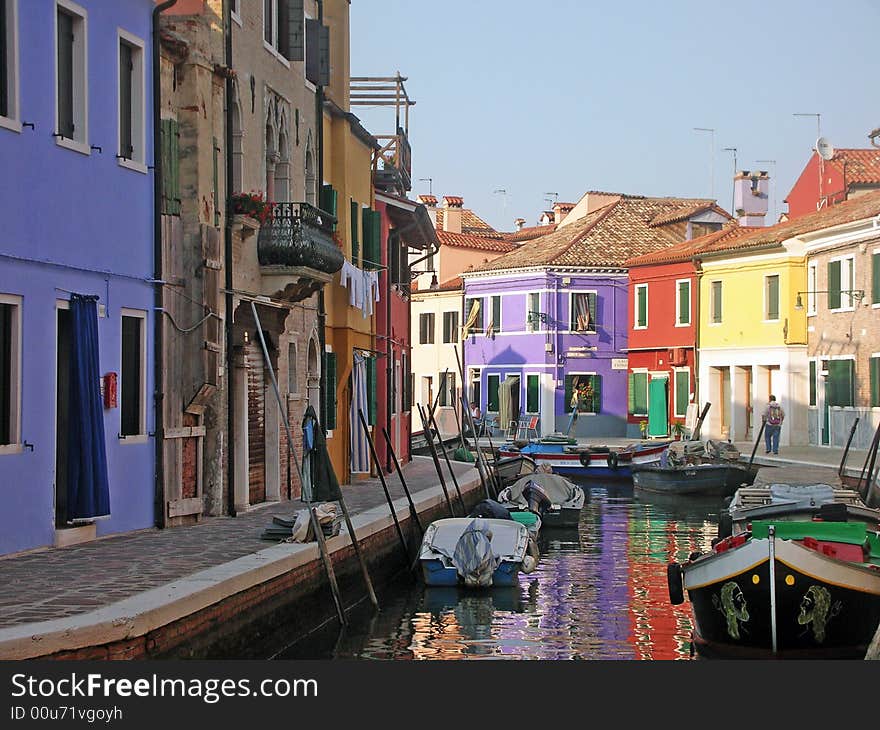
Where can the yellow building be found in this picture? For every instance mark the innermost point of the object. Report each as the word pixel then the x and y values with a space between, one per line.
pixel 348 192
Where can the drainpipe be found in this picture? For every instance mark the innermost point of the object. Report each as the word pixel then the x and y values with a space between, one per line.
pixel 698 270
pixel 158 382
pixel 389 349
pixel 227 266
pixel 319 159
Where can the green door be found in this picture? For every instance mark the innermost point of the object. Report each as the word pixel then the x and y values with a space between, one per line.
pixel 658 408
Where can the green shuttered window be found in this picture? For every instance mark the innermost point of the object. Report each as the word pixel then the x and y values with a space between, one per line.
pixel 642 305
pixel 682 391
pixel 772 296
pixel 492 384
pixel 834 285
pixel 583 392
pixel 874 365
pixel 840 382
pixel 812 382
pixel 371 390
pixel 875 278
pixel 532 394
pixel 372 233
pixel 355 242
pixel 684 302
pixel 170 141
pixel 716 302
pixel 330 391
pixel 638 394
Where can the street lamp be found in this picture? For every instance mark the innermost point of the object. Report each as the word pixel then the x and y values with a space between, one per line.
pixel 856 294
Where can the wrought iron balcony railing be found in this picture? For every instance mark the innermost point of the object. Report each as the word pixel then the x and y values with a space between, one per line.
pixel 299 234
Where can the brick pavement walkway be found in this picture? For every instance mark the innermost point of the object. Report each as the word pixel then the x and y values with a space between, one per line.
pixel 59 582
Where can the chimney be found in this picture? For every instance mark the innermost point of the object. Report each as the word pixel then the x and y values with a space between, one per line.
pixel 452 213
pixel 750 196
pixel 519 223
pixel 560 210
pixel 430 203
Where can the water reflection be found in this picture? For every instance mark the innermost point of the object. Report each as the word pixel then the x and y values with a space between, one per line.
pixel 599 592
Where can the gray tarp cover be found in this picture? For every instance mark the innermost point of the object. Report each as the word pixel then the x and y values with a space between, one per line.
pixel 557 488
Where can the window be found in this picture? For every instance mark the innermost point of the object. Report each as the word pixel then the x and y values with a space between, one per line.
pixel 9 116
pixel 813 383
pixel 495 314
pixel 583 392
pixel 771 297
pixel 638 393
pixel 875 277
pixel 703 229
pixel 270 22
pixel 812 287
pixel 355 244
pixel 532 394
pixel 641 306
pixel 169 140
pixel 427 390
pixel 874 372
pixel 447 389
pixel 474 321
pixel 71 74
pixel 404 382
pixel 839 388
pixel 132 385
pixel 292 385
pixel 475 387
pixel 683 302
pixel 533 311
pixel 450 326
pixel 493 383
pixel 682 392
pixel 715 297
pixel 10 370
pixel 841 277
pixel 583 312
pixel 426 328
pixel 131 102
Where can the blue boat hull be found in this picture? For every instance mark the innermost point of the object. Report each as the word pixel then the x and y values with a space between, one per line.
pixel 435 573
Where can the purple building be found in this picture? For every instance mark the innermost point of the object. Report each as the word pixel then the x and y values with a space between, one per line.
pixel 76 271
pixel 546 325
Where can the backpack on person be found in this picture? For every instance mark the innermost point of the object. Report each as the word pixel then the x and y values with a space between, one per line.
pixel 774 414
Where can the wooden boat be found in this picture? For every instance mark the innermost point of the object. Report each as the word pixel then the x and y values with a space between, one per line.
pixel 716 480
pixel 794 573
pixel 476 552
pixel 571 459
pixel 510 468
pixel 564 498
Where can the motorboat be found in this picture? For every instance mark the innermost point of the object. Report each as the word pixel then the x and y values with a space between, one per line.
pixel 562 503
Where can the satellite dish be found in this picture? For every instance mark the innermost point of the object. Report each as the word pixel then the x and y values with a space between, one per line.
pixel 824 148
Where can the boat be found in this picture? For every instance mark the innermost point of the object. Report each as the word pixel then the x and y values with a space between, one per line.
pixel 711 480
pixel 568 458
pixel 476 552
pixel 508 469
pixel 794 573
pixel 564 499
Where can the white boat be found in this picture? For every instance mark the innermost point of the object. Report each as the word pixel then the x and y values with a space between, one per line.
pixel 476 552
pixel 566 499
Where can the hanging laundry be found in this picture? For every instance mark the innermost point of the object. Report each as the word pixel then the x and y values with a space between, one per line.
pixel 363 287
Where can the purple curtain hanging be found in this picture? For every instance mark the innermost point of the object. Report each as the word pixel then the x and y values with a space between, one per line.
pixel 88 493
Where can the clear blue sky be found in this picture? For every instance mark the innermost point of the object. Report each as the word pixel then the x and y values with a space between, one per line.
pixel 566 96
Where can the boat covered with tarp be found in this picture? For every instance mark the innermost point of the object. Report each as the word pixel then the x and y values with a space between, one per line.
pixel 558 500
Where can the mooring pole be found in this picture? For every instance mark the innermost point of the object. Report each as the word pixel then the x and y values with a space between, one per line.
pixel 427 426
pixel 757 441
pixel 852 432
pixel 412 508
pixel 449 466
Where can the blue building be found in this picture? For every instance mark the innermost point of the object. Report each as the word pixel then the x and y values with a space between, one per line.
pixel 76 271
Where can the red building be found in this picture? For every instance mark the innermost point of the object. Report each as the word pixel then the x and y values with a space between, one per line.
pixel 848 173
pixel 405 226
pixel 663 317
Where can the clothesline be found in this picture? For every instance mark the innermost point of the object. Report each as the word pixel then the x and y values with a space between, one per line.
pixel 363 287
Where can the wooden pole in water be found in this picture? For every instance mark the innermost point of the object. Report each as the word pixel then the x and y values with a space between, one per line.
pixel 696 434
pixel 852 432
pixel 869 457
pixel 412 508
pixel 427 426
pixel 449 466
pixel 384 485
pixel 757 441
pixel 482 467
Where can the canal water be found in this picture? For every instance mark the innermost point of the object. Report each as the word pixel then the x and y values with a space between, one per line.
pixel 599 592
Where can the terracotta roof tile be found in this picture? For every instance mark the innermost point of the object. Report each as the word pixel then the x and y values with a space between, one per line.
pixel 686 250
pixel 683 213
pixel 428 199
pixel 450 285
pixel 469 240
pixel 470 223
pixel 607 237
pixel 453 200
pixel 527 234
pixel 862 165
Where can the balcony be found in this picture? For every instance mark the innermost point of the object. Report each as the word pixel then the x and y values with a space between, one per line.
pixel 296 250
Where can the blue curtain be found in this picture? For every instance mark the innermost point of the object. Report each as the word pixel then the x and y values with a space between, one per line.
pixel 88 492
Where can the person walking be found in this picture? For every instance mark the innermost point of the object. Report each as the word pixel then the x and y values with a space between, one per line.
pixel 773 417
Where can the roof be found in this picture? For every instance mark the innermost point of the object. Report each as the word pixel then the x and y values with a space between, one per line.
pixel 743 238
pixel 675 215
pixel 527 234
pixel 470 222
pixel 862 165
pixel 453 284
pixel 453 200
pixel 607 237
pixel 469 240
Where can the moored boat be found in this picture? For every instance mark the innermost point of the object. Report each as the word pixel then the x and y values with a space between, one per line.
pixel 510 468
pixel 476 552
pixel 793 574
pixel 711 480
pixel 564 499
pixel 569 459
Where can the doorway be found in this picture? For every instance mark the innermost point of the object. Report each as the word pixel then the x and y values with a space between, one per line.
pixel 62 413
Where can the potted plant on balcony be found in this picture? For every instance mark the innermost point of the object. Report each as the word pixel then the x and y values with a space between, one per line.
pixel 252 205
pixel 677 430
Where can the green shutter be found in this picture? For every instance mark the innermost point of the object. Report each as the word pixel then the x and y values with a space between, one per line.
pixel 833 284
pixel 684 302
pixel 371 390
pixel 592 301
pixel 492 382
pixel 568 393
pixel 174 172
pixel 328 201
pixel 631 394
pixel 875 278
pixel 716 301
pixel 840 383
pixel 875 396
pixel 355 243
pixel 682 391
pixel 330 390
pixel 216 189
pixel 376 253
pixel 640 393
pixel 597 392
pixel 642 297
pixel 773 297
pixel 532 393
pixel 812 382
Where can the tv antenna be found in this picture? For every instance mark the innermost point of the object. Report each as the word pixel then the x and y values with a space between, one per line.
pixel 430 182
pixel 503 193
pixel 553 199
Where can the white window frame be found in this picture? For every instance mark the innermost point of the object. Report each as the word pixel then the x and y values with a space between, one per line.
pixel 500 380
pixel 426 389
pixel 311 87
pixel 15 445
pixel 646 372
pixel 593 330
pixel 234 11
pixel 534 326
pixel 292 369
pixel 636 325
pixel 711 313
pixel 526 410
pixel 690 312
pixel 492 298
pixel 812 287
pixel 591 373
pixel 80 141
pixel 676 371
pixel 847 282
pixel 273 46
pixel 430 331
pixel 778 294
pixel 12 120
pixel 453 333
pixel 138 159
pixel 140 437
